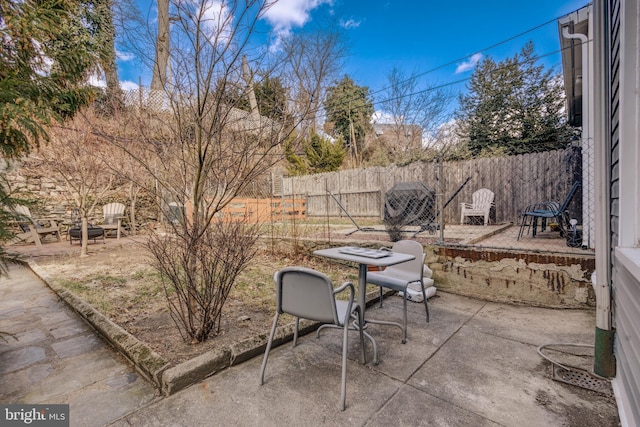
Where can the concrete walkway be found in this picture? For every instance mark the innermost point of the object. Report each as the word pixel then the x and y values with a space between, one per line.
pixel 58 358
pixel 474 364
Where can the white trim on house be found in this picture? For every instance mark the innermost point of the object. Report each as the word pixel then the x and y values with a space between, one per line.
pixel 629 132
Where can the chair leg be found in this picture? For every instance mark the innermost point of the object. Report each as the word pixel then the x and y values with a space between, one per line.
pixel 523 224
pixel 374 345
pixel 319 329
pixel 36 237
pixel 380 296
pixel 345 347
pixel 424 296
pixel 295 332
pixel 357 325
pixel 266 351
pixel 404 318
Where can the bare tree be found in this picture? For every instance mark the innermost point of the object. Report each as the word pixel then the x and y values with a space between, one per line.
pixel 202 150
pixel 416 113
pixel 314 59
pixel 77 157
pixel 188 265
pixel 127 165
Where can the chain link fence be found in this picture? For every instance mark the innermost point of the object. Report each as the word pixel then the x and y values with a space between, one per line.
pixel 538 201
pixel 146 99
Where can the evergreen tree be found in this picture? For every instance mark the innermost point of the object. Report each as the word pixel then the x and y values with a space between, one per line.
pixel 46 53
pixel 324 155
pixel 48 47
pixel 320 155
pixel 349 109
pixel 99 17
pixel 514 107
pixel 272 98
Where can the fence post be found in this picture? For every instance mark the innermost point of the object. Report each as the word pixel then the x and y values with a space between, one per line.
pixel 282 201
pixel 326 208
pixel 439 207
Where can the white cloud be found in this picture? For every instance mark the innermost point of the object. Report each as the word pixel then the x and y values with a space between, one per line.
pixel 128 85
pixel 216 18
pixel 124 56
pixel 470 64
pixel 99 81
pixel 350 23
pixel 382 117
pixel 285 15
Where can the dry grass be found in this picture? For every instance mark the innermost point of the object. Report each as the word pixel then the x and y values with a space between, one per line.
pixel 121 284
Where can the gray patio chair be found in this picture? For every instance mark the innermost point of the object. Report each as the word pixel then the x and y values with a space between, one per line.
pixel 307 293
pixel 398 277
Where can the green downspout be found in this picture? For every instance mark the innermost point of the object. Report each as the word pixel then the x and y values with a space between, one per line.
pixel 604 359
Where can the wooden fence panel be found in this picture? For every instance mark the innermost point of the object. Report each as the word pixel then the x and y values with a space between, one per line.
pixel 264 210
pixel 517 181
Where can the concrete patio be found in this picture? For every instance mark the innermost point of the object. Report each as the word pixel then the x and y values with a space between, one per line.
pixel 474 364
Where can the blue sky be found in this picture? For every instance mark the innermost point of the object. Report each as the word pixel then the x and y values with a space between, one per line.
pixel 423 35
pixel 415 35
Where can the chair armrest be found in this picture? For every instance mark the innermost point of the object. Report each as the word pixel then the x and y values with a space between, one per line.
pixel 52 222
pixel 39 222
pixel 350 301
pixel 543 206
pixel 350 287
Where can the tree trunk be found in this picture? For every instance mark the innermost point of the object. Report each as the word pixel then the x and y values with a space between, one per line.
pixel 106 36
pixel 84 237
pixel 161 61
pixel 133 195
pixel 110 69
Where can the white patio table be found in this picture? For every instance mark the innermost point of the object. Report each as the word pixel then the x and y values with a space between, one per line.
pixel 365 257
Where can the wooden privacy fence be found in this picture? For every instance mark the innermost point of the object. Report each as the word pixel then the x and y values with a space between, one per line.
pixel 517 182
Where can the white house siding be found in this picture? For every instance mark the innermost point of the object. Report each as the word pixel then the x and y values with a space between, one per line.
pixel 620 69
pixel 627 317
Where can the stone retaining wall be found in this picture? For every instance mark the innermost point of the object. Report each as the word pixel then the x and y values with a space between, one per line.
pixel 53 200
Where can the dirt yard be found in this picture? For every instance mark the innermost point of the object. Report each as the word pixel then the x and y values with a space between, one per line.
pixel 120 282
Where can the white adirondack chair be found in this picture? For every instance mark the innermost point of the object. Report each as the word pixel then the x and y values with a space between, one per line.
pixel 113 214
pixel 481 205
